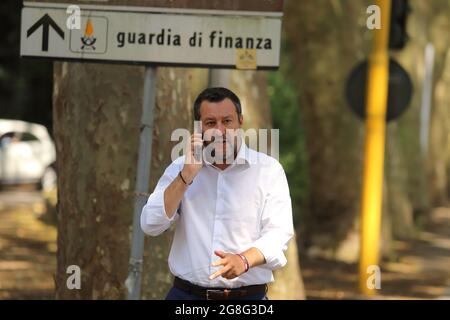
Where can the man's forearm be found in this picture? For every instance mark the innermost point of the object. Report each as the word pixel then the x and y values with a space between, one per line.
pixel 173 195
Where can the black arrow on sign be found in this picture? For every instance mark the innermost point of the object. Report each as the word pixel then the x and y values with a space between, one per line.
pixel 45 22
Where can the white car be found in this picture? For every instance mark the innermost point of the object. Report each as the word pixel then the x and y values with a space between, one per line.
pixel 27 154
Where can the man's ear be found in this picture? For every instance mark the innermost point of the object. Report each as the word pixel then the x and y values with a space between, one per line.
pixel 241 119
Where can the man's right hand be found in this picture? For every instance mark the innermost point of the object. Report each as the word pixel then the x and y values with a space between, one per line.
pixel 193 163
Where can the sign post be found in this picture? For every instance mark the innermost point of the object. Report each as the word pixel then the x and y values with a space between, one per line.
pixel 133 282
pixel 377 97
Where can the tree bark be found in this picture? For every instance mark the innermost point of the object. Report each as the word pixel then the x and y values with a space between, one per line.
pixel 326 40
pixel 97 109
pixel 438 162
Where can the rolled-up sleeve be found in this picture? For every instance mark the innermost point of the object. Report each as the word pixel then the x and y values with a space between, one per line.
pixel 154 219
pixel 276 223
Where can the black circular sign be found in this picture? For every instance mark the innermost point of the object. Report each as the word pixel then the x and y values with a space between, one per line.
pixel 399 95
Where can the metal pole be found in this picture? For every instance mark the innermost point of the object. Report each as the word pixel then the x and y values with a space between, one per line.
pixel 376 103
pixel 219 78
pixel 426 98
pixel 133 282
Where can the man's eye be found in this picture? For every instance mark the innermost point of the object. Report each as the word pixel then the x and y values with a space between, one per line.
pixel 209 124
pixel 228 121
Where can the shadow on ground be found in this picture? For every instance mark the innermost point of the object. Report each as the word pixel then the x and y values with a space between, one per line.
pixel 27 246
pixel 421 270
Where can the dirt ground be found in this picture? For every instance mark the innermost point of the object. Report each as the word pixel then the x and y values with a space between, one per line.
pixel 28 258
pixel 421 269
pixel 27 247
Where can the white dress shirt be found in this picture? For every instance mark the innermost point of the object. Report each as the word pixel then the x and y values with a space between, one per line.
pixel 246 205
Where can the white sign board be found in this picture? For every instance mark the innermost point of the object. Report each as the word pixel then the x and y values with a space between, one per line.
pixel 148 37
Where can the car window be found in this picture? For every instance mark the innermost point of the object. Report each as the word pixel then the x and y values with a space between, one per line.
pixel 8 135
pixel 26 136
pixel 18 136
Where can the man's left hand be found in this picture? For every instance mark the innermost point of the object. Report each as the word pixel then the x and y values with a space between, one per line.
pixel 233 266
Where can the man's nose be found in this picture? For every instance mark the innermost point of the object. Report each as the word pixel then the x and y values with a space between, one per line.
pixel 221 127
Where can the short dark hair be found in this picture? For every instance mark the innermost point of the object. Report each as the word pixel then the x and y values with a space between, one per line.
pixel 216 94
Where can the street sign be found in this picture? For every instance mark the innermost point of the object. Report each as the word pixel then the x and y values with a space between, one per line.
pixel 224 39
pixel 399 95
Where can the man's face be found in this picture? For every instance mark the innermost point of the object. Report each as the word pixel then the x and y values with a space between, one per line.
pixel 220 119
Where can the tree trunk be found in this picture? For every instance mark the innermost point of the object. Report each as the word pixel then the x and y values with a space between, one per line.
pixel 438 161
pixel 176 90
pixel 97 110
pixel 97 115
pixel 423 176
pixel 326 40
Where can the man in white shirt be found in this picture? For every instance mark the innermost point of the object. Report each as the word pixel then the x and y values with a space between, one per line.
pixel 234 217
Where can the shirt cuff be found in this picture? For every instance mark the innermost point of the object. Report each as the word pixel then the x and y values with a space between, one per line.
pixel 273 255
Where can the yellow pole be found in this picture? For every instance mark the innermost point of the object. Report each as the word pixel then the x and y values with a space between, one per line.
pixel 376 103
